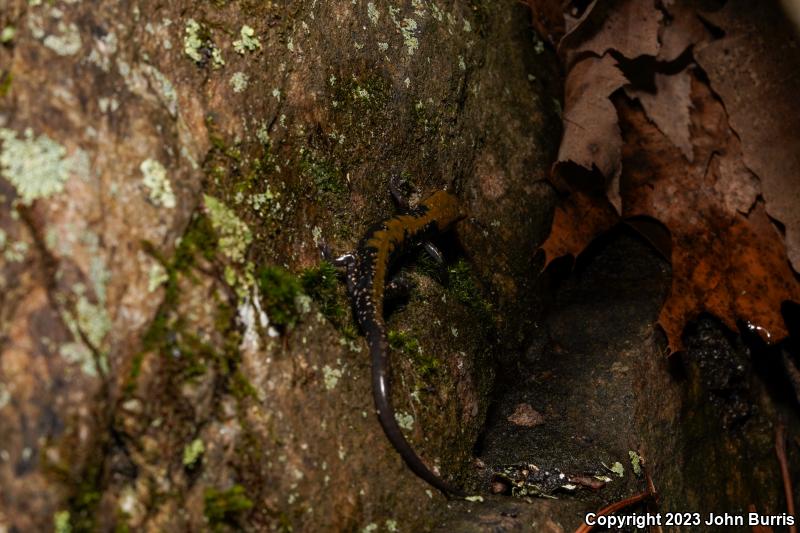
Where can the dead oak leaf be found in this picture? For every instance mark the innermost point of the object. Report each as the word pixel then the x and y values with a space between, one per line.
pixel 577 221
pixel 682 30
pixel 724 262
pixel 755 68
pixel 668 107
pixel 591 136
pixel 628 27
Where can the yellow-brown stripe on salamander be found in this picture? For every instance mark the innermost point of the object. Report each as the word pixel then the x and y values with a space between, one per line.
pixel 367 270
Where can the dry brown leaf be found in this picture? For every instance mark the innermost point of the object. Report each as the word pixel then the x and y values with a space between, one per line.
pixel 567 235
pixel 629 27
pixel 755 68
pixel 681 163
pixel 591 131
pixel 683 30
pixel 724 262
pixel 668 107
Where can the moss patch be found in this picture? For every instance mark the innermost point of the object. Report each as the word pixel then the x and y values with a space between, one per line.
pixel 225 507
pixel 279 290
pixel 321 283
pixel 409 346
pixel 462 285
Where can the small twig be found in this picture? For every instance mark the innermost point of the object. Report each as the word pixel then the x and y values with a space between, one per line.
pixel 627 502
pixel 759 529
pixel 780 451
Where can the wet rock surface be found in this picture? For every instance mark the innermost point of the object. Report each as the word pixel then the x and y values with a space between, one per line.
pixel 608 403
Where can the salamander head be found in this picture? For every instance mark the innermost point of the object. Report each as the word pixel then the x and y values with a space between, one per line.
pixel 444 208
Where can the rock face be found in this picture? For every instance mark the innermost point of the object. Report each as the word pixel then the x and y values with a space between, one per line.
pixel 172 357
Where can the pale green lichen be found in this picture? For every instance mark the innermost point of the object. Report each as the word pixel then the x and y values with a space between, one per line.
pixel 93 320
pixel 192 452
pixel 408 29
pixel 164 88
pixel 157 183
pixel 636 462
pixel 369 528
pixel 216 57
pixel 15 252
pixel 360 93
pixel 247 41
pixel 156 276
pixel 192 41
pixel 476 499
pixel 391 525
pixel 233 235
pixel 331 377
pixel 373 13
pixel 36 167
pixel 618 469
pixel 262 134
pixel 78 354
pixel 239 82
pixel 404 420
pixel 107 104
pixel 68 42
pixel 61 522
pixel 5 396
pixel 104 49
pixel 8 34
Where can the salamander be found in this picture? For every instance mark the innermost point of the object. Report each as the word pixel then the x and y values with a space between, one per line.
pixel 366 274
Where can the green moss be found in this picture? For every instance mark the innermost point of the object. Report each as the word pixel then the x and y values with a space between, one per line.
pixel 241 388
pixel 409 346
pixel 192 452
pixel 322 284
pixel 61 522
pixel 403 342
pixel 462 285
pixel 5 82
pixel 225 507
pixel 279 291
pixel 326 176
pixel 87 491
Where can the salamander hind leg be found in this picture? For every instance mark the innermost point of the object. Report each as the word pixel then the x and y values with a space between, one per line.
pixel 398 288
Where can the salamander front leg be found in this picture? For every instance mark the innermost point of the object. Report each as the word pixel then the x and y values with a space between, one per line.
pixel 341 261
pixel 346 263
